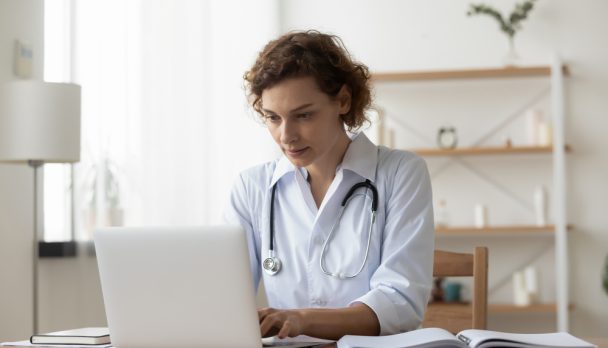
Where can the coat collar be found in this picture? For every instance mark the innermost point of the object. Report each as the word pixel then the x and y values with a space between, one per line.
pixel 361 158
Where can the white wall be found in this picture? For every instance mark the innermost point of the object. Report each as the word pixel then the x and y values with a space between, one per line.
pixel 421 34
pixel 21 20
pixel 70 293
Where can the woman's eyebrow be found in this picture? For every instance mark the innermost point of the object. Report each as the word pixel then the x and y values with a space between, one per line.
pixel 268 111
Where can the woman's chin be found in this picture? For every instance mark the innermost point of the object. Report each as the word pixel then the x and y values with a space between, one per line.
pixel 300 159
pixel 298 162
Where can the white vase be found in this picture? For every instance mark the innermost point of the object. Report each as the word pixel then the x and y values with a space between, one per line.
pixel 511 58
pixel 480 215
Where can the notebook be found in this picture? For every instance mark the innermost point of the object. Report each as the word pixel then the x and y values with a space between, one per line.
pixel 436 337
pixel 87 335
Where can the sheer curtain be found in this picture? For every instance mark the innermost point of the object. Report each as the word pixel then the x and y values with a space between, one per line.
pixel 166 127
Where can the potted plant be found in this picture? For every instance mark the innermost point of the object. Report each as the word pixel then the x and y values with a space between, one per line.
pixel 508 25
pixel 102 178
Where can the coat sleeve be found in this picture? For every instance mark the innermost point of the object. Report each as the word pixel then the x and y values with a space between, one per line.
pixel 240 212
pixel 400 287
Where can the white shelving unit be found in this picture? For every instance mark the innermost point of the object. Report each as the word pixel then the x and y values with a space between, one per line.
pixel 555 72
pixel 559 188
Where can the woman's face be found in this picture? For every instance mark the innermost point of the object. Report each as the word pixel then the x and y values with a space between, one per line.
pixel 304 121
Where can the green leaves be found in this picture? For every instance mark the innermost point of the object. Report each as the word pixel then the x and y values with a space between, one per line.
pixel 508 26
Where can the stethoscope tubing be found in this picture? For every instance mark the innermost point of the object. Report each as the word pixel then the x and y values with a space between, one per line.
pixel 272 264
pixel 331 232
pixel 274 189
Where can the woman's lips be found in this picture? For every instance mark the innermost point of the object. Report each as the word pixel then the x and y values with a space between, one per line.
pixel 296 153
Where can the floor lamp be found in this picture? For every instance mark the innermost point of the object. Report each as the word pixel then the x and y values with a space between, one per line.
pixel 39 123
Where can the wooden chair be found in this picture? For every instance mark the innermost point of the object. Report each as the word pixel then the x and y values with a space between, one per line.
pixel 455 317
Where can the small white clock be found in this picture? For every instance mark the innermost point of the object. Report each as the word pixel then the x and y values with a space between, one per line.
pixel 447 138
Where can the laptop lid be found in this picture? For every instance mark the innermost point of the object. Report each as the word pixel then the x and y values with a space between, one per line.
pixel 177 287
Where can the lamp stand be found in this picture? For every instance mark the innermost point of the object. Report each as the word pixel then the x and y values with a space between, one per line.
pixel 35 164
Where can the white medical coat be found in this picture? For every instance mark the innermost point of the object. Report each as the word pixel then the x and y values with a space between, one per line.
pixel 397 278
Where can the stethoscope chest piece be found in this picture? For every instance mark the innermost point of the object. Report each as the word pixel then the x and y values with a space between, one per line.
pixel 271 265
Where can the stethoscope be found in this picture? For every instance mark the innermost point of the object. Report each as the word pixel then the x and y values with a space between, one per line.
pixel 272 264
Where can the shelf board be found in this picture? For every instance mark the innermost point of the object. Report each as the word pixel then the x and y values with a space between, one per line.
pixel 497 230
pixel 495 150
pixel 507 72
pixel 533 308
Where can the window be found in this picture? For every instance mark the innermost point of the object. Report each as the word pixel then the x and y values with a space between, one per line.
pixel 58 202
pixel 58 192
pixel 163 109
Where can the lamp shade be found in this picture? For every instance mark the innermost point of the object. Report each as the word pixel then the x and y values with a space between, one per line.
pixel 39 121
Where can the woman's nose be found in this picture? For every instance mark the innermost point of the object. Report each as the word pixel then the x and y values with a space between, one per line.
pixel 289 133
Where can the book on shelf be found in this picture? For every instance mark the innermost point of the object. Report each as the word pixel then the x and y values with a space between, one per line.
pixel 83 336
pixel 436 337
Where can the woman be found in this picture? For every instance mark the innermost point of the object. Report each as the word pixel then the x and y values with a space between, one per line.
pixel 326 274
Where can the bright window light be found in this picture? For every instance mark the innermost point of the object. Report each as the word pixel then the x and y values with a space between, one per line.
pixel 57 202
pixel 57 177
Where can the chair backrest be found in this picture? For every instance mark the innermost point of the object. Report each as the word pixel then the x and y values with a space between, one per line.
pixel 455 317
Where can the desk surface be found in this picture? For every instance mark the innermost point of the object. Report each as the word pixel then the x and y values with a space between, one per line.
pixel 600 342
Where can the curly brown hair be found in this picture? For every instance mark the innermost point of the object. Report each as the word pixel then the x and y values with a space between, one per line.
pixel 311 53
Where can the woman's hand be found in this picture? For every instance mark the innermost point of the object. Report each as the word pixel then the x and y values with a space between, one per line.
pixel 280 322
pixel 328 323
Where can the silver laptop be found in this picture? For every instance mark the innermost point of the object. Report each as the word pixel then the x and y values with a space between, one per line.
pixel 178 287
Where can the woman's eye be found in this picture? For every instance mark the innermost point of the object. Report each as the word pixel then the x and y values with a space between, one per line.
pixel 304 115
pixel 272 118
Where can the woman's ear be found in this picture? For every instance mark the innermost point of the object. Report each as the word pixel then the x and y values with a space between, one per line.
pixel 344 97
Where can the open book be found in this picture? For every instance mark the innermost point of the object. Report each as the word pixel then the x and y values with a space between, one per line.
pixel 435 337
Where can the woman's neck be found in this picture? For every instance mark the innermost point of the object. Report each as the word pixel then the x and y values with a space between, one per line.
pixel 322 172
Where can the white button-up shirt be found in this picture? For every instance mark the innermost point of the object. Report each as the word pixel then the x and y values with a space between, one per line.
pixel 397 277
